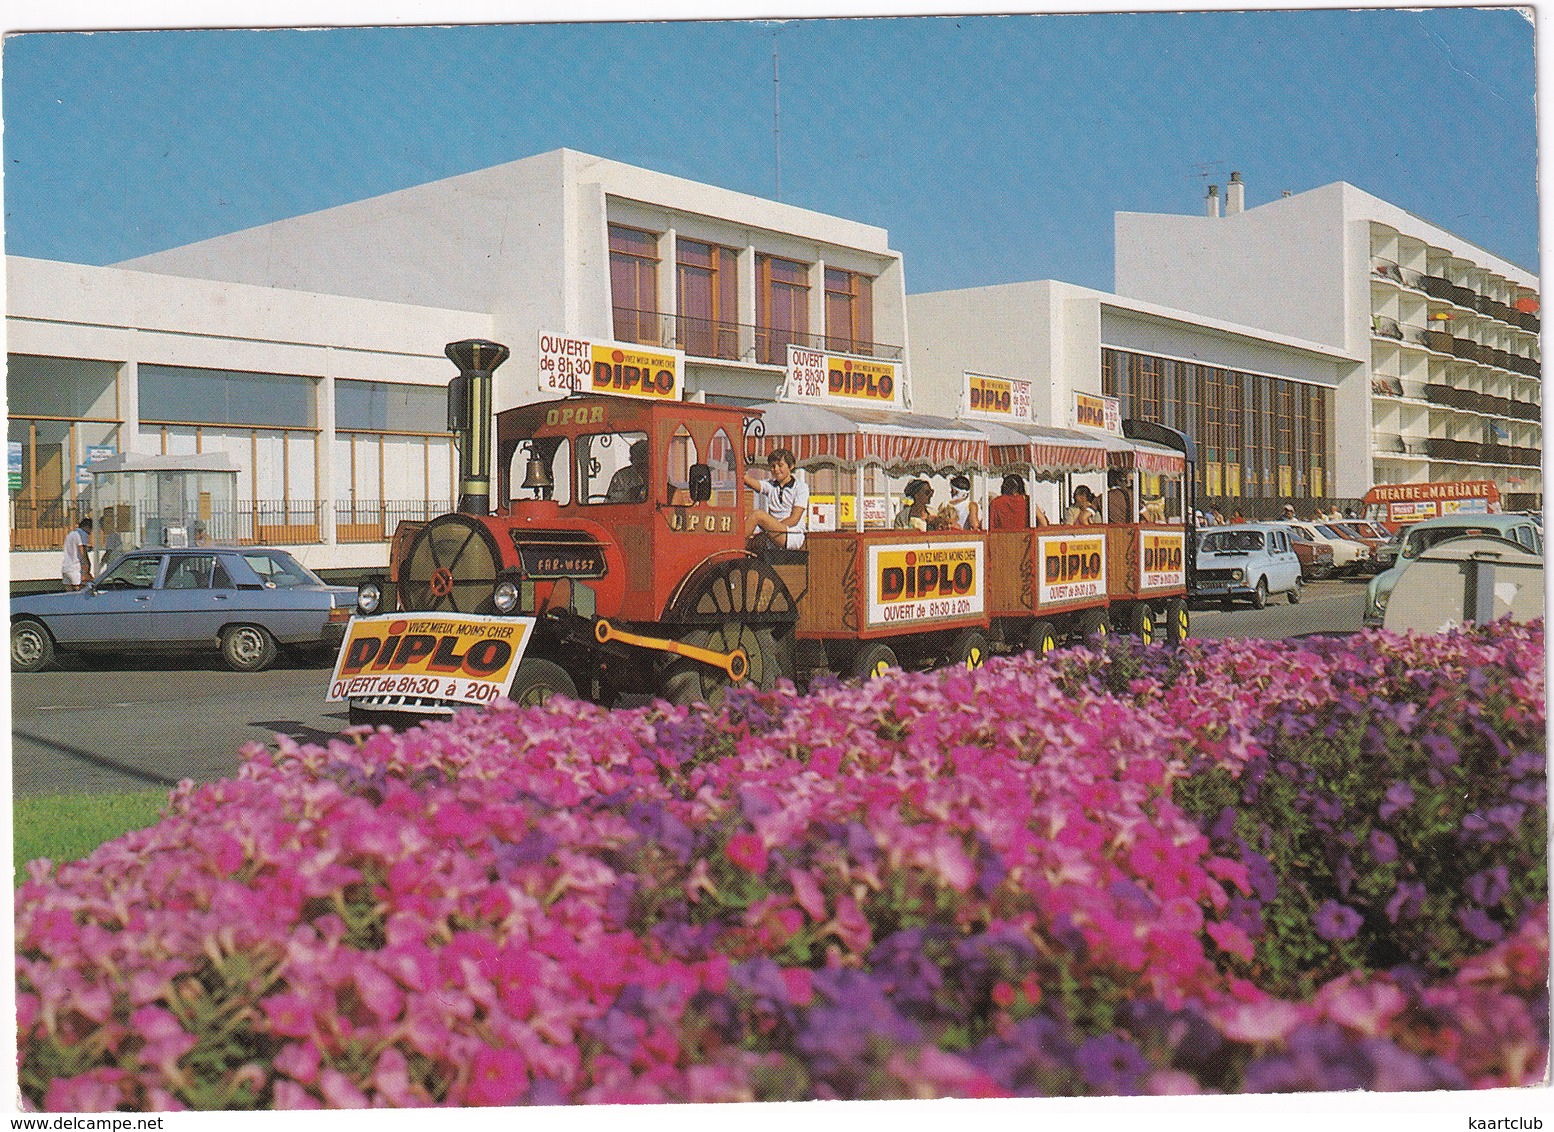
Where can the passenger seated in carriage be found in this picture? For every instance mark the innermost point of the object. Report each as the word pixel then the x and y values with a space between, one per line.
pixel 914 514
pixel 1011 509
pixel 783 505
pixel 964 515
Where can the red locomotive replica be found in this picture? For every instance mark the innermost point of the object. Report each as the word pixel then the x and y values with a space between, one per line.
pixel 613 559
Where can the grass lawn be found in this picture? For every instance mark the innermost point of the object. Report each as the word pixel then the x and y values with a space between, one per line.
pixel 69 826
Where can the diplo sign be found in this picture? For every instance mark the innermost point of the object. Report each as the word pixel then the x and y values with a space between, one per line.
pixel 451 657
pixel 1162 559
pixel 1072 568
pixel 816 376
pixel 578 365
pixel 996 398
pixel 924 582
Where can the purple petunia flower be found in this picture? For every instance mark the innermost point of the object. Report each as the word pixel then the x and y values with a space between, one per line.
pixel 1398 798
pixel 1406 902
pixel 1442 751
pixel 1111 1065
pixel 1335 921
pixel 1488 887
pixel 1476 922
pixel 1384 850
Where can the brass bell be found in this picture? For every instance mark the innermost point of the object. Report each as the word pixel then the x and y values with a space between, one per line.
pixel 537 477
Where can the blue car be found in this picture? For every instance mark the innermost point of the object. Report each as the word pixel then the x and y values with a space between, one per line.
pixel 1248 562
pixel 246 601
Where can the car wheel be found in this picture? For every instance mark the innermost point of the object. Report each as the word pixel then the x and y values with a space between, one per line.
pixel 32 648
pixel 1294 594
pixel 247 648
pixel 1260 594
pixel 537 680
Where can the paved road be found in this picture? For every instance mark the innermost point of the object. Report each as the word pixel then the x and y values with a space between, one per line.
pixel 132 725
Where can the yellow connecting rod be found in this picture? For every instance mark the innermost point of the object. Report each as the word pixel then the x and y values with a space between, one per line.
pixel 736 663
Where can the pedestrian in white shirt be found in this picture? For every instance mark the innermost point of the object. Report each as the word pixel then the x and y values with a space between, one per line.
pixel 76 568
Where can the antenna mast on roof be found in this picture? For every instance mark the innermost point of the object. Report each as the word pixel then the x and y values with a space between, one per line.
pixel 776 116
pixel 1202 169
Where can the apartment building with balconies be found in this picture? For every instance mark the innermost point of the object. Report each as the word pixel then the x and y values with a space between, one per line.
pixel 1452 389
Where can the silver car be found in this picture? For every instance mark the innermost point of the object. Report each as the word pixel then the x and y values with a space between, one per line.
pixel 246 601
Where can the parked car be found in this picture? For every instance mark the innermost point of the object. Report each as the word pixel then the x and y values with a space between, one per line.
pixel 246 601
pixel 1420 537
pixel 1349 557
pixel 1475 579
pixel 1352 530
pixel 1248 560
pixel 1316 558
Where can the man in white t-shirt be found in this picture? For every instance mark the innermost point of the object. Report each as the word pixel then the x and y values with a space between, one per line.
pixel 76 568
pixel 784 502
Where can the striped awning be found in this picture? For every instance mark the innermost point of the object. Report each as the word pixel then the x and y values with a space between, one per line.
pixel 907 442
pixel 1046 452
pixel 1149 458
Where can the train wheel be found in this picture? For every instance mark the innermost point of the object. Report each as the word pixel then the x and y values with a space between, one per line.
pixel 1094 627
pixel 537 680
pixel 451 567
pixel 1177 625
pixel 1041 639
pixel 729 589
pixel 687 681
pixel 873 659
pixel 1141 622
pixel 971 649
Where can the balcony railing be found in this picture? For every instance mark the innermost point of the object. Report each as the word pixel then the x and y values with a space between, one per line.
pixel 364 520
pixel 735 341
pixel 44 525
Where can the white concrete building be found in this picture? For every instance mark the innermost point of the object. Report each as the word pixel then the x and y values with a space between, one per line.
pixel 1259 404
pixel 1451 388
pixel 310 350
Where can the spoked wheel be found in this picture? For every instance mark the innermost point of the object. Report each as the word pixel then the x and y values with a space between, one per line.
pixel 1176 621
pixel 970 649
pixel 452 566
pixel 1041 639
pixel 687 681
pixel 1141 622
pixel 873 659
pixel 734 588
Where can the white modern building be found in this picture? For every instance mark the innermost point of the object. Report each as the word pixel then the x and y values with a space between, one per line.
pixel 1451 388
pixel 1259 405
pixel 310 351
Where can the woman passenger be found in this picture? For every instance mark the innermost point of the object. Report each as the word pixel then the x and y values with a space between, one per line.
pixel 1010 509
pixel 1085 510
pixel 968 516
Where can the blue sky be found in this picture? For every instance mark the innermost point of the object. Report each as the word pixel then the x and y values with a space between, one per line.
pixel 993 148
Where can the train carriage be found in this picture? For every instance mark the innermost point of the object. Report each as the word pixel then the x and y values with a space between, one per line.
pixel 606 555
pixel 875 596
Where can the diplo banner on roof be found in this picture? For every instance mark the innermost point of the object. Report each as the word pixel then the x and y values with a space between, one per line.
pixel 821 378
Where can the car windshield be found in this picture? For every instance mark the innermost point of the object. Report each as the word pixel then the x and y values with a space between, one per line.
pixel 1243 541
pixel 1419 541
pixel 278 569
pixel 1329 532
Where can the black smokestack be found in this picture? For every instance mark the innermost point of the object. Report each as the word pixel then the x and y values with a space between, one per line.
pixel 469 418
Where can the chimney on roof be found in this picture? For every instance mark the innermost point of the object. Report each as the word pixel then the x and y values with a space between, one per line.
pixel 1211 206
pixel 1235 196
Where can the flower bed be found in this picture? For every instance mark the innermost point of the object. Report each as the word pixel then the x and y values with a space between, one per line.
pixel 1247 866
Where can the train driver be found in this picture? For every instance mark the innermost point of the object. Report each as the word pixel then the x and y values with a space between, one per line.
pixel 629 484
pixel 783 502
